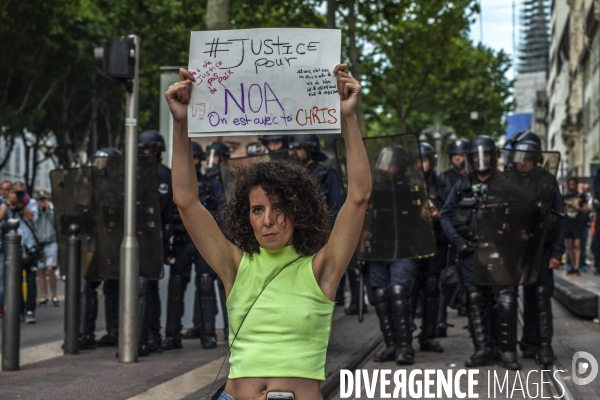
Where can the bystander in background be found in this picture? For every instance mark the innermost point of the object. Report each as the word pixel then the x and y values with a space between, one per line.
pixel 46 235
pixel 5 188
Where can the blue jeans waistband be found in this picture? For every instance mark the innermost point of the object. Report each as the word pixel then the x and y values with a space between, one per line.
pixel 225 396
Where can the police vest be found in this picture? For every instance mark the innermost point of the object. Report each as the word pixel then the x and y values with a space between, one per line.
pixel 468 210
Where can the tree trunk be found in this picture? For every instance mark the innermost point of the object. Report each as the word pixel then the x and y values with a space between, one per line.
pixel 331 9
pixel 217 15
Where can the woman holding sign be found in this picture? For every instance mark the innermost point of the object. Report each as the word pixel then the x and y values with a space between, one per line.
pixel 280 265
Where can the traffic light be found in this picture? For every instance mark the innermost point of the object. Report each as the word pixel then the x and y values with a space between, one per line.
pixel 117 59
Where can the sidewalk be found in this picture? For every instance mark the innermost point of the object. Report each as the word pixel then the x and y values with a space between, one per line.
pixel 177 374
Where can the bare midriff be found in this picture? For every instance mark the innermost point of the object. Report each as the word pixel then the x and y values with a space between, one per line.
pixel 257 388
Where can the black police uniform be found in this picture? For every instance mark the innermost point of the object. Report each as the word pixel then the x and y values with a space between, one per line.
pixel 167 210
pixel 461 219
pixel 185 253
pixel 427 280
pixel 451 176
pixel 537 314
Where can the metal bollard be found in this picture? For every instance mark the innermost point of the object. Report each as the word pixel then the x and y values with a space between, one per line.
pixel 72 295
pixel 11 324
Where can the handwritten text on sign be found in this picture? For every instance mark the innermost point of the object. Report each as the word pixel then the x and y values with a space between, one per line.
pixel 260 81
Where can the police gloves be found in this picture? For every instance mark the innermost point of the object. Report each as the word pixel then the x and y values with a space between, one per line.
pixel 464 246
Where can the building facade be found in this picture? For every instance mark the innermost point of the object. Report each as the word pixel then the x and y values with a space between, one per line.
pixel 573 86
pixel 14 170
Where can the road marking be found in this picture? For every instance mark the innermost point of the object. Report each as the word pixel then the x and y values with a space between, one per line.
pixel 186 384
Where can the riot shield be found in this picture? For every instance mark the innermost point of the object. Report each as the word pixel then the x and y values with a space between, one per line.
pixel 72 197
pixel 398 222
pixel 514 219
pixel 230 166
pixel 109 196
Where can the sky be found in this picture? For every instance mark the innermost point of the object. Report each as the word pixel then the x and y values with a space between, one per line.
pixel 497 21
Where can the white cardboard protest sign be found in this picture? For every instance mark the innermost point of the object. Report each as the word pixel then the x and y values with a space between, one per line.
pixel 264 81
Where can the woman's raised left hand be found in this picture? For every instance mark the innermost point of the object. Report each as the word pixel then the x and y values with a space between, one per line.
pixel 348 88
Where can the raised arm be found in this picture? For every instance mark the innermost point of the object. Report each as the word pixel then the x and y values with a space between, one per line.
pixel 331 261
pixel 218 252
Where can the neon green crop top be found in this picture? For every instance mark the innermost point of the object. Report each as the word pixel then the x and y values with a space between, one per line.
pixel 287 330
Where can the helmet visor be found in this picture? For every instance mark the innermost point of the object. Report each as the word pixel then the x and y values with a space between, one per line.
pixel 481 159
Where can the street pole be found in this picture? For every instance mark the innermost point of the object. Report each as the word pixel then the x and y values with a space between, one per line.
pixel 129 260
pixel 13 298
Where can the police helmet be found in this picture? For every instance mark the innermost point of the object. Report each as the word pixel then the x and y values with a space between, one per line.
pixel 256 148
pixel 520 136
pixel 527 150
pixel 151 140
pixel 479 146
pixel 107 152
pixel 428 152
pixel 285 142
pixel 390 156
pixel 310 143
pixel 458 146
pixel 218 149
pixel 197 150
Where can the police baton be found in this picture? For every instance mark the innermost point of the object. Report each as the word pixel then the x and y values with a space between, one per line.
pixel 11 324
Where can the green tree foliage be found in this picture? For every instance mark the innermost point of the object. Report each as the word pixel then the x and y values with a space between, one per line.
pixel 416 63
pixel 413 57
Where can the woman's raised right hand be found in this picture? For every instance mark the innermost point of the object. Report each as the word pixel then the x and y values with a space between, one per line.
pixel 179 94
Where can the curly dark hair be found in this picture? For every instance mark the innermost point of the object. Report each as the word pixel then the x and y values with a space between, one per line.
pixel 294 191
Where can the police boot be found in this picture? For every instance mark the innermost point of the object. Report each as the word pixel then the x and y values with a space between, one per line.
pixel 441 329
pixel 427 340
pixel 529 339
pixel 354 281
pixel 89 308
pixel 545 327
pixel 154 340
pixel 223 299
pixel 111 314
pixel 507 332
pixel 194 333
pixel 476 309
pixel 143 327
pixel 383 309
pixel 176 290
pixel 400 301
pixel 208 310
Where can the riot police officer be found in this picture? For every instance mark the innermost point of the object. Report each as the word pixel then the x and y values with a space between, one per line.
pixel 461 219
pixel 536 341
pixel 428 275
pixel 87 338
pixel 205 306
pixel 309 152
pixel 184 253
pixel 457 152
pixel 275 142
pixel 151 142
pixel 391 278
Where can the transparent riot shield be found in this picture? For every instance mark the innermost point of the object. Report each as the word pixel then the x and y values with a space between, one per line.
pixel 230 167
pixel 109 196
pixel 72 196
pixel 514 219
pixel 398 222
